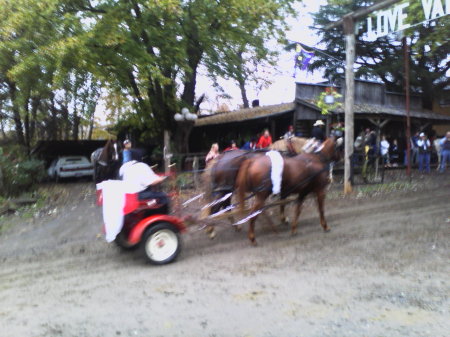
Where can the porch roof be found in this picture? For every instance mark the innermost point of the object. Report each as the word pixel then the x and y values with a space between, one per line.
pixel 246 114
pixel 374 110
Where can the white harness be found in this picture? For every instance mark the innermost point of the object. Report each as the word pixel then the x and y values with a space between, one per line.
pixel 276 171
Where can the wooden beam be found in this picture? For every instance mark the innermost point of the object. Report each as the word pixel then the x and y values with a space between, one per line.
pixel 356 15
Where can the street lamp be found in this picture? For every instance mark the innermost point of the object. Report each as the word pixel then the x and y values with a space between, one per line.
pixel 185 116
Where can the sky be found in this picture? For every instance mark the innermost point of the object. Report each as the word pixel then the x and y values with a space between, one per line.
pixel 282 89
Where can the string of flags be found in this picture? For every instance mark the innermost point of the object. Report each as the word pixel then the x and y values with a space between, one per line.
pixel 302 58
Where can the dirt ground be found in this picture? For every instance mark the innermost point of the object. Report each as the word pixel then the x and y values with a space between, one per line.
pixel 383 270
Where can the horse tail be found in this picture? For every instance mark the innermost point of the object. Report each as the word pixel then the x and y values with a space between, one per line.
pixel 241 183
pixel 207 183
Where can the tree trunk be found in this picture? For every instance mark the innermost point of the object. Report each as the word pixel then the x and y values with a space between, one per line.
pixel 2 122
pixel 53 124
pixel 195 53
pixel 241 81
pixel 243 92
pixel 91 127
pixel 26 123
pixel 16 113
pixel 75 126
pixel 35 101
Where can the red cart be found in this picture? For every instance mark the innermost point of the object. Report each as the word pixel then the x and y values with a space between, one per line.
pixel 156 235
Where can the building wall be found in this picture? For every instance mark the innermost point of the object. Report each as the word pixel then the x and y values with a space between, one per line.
pixel 444 108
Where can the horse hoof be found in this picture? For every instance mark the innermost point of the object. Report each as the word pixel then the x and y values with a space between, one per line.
pixel 254 243
pixel 212 235
pixel 327 230
pixel 294 233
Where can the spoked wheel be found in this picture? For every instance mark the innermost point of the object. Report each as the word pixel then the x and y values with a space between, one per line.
pixel 161 243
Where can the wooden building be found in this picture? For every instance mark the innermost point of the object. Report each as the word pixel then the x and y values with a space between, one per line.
pixel 240 126
pixel 374 108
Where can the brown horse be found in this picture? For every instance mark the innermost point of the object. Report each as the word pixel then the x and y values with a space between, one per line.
pixel 219 180
pixel 302 174
pixel 106 161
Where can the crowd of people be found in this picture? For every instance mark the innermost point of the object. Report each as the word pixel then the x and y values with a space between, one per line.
pixel 420 155
pixel 366 143
pixel 265 140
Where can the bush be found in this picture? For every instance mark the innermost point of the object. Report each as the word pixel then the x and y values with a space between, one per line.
pixel 19 174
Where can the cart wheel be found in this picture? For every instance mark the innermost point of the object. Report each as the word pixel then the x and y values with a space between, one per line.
pixel 161 243
pixel 123 243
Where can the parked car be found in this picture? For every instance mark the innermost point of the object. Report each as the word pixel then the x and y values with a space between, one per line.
pixel 70 167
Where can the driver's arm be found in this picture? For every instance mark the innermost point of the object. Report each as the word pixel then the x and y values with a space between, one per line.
pixel 158 180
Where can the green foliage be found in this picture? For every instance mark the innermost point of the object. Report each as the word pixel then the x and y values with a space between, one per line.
pixel 55 55
pixel 324 107
pixel 19 174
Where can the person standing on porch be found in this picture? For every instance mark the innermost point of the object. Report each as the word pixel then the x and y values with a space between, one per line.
pixel 384 150
pixel 250 145
pixel 126 155
pixel 445 151
pixel 232 146
pixel 213 153
pixel 317 131
pixel 265 140
pixel 290 133
pixel 424 147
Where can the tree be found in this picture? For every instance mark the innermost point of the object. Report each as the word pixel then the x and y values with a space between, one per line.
pixel 382 59
pixel 152 50
pixel 43 76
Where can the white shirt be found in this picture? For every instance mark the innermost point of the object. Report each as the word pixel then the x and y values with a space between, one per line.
pixel 384 147
pixel 424 144
pixel 137 176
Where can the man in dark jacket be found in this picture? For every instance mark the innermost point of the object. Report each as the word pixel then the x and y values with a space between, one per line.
pixel 318 131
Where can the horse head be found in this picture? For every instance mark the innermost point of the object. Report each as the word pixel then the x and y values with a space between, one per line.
pixel 332 149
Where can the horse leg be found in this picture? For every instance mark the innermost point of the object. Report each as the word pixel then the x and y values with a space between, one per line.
pixel 259 202
pixel 320 203
pixel 331 172
pixel 227 203
pixel 298 209
pixel 283 219
pixel 269 220
pixel 210 230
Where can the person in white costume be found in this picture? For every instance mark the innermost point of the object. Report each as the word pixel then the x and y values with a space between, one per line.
pixel 139 178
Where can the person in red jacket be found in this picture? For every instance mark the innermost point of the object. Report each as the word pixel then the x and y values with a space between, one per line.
pixel 264 141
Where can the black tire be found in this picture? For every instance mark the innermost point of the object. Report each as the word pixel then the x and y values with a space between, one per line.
pixel 169 237
pixel 123 243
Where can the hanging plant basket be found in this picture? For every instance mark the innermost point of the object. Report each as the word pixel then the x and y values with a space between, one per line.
pixel 328 101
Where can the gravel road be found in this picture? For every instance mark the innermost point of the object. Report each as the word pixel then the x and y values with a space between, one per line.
pixel 383 270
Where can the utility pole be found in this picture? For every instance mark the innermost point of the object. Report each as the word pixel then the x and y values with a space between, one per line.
pixel 348 23
pixel 349 31
pixel 407 105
